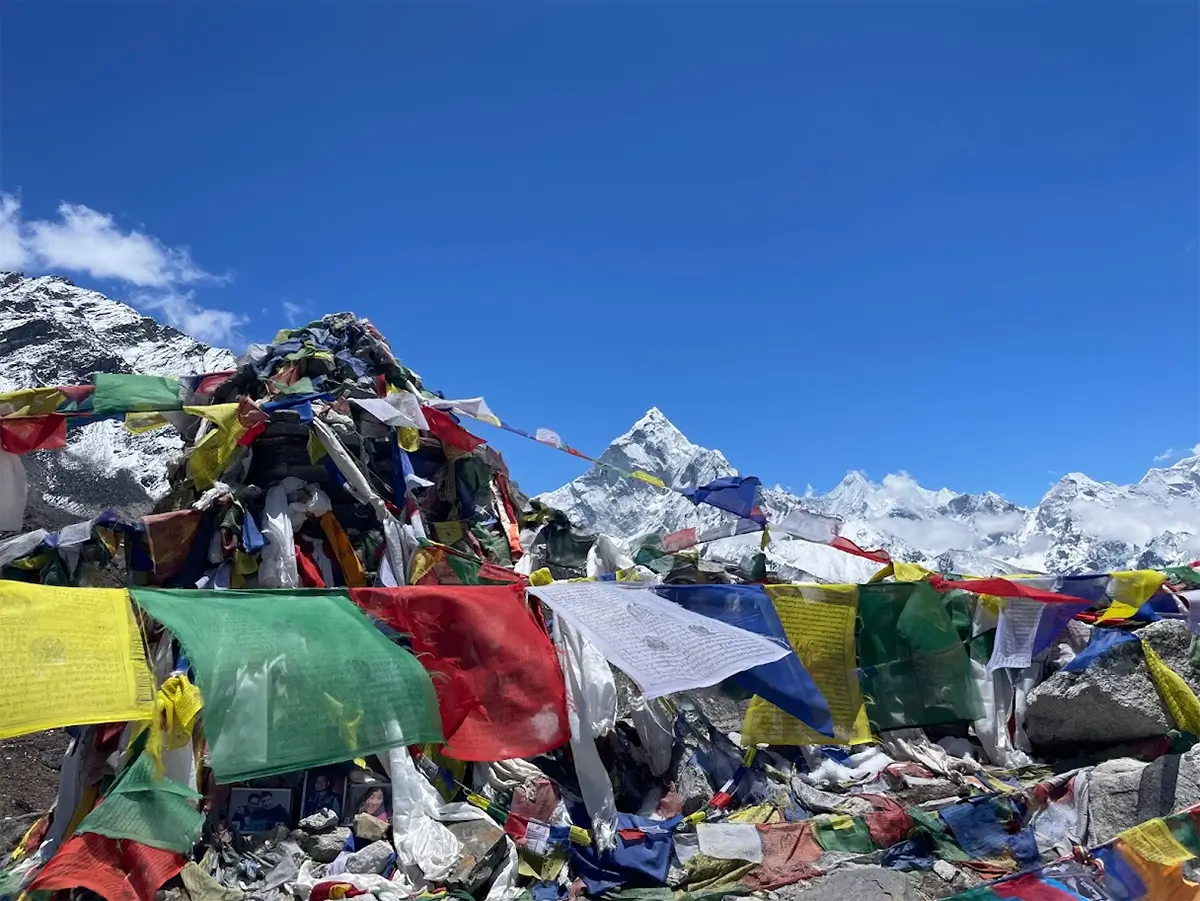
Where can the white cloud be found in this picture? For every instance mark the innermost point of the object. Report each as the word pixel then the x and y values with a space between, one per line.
pixel 1196 451
pixel 218 327
pixel 1165 455
pixel 12 250
pixel 85 240
pixel 295 313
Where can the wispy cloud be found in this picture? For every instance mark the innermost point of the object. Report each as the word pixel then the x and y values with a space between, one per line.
pixel 1165 455
pixel 1196 451
pixel 212 326
pixel 85 240
pixel 296 313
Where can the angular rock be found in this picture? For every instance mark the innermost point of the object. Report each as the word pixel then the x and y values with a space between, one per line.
pixel 374 858
pixel 1125 792
pixel 1114 699
pixel 325 847
pixel 853 884
pixel 321 821
pixel 369 828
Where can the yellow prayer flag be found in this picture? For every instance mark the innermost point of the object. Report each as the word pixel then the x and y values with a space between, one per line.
pixel 1154 842
pixel 69 656
pixel 409 438
pixel 1129 590
pixel 448 532
pixel 819 623
pixel 1177 696
pixel 31 402
pixel 648 479
pixel 215 451
pixel 139 423
pixel 540 577
pixel 901 572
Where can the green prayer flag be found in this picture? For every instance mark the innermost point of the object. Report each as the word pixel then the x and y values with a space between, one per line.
pixel 913 666
pixel 160 813
pixel 931 824
pixel 117 392
pixel 854 838
pixel 293 679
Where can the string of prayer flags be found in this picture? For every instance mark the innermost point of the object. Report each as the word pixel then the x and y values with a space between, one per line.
pixel 118 392
pixel 69 656
pixel 274 703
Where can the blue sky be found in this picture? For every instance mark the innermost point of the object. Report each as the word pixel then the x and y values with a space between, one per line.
pixel 959 240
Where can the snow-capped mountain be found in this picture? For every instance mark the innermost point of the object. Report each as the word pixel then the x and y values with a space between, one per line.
pixel 53 332
pixel 1079 526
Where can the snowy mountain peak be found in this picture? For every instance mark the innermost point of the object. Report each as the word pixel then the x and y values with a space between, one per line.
pixel 1080 525
pixel 53 332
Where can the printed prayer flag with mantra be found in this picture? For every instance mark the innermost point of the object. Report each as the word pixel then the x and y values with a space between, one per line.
pixel 69 656
pixel 499 687
pixel 819 623
pixel 293 679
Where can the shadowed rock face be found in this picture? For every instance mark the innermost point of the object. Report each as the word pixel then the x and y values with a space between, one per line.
pixel 53 332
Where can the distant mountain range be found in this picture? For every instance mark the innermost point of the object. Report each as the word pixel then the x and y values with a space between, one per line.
pixel 53 332
pixel 1081 525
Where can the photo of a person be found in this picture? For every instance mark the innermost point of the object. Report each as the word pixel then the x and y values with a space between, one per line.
pixel 322 790
pixel 246 816
pixel 253 810
pixel 373 798
pixel 272 813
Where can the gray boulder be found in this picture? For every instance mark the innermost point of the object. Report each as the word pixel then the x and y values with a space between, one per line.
pixel 853 884
pixel 1125 792
pixel 325 847
pixel 370 828
pixel 374 858
pixel 321 821
pixel 1113 700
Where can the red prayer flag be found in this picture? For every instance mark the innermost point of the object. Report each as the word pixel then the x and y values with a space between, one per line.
pixel 845 544
pixel 499 687
pixel 1030 888
pixel 1003 588
pixel 117 870
pixel 22 435
pixel 443 427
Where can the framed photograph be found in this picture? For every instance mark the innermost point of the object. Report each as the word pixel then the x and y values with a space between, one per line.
pixel 255 810
pixel 374 798
pixel 323 788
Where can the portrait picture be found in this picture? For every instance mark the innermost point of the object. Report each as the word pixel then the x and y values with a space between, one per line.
pixel 253 810
pixel 374 798
pixel 323 788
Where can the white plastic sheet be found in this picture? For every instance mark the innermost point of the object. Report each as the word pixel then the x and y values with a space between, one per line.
pixel 423 844
pixel 663 647
pixel 606 557
pixel 278 566
pixel 655 729
pixel 594 782
pixel 13 492
pixel 804 524
pixel 730 841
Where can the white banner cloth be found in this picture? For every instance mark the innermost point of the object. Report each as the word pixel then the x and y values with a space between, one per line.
pixel 663 647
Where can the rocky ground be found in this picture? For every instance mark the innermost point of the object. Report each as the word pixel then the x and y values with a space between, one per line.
pixel 28 781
